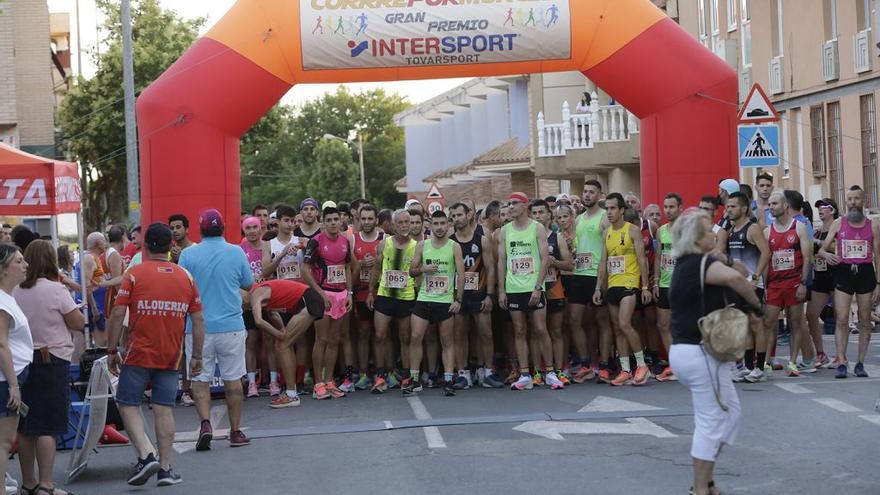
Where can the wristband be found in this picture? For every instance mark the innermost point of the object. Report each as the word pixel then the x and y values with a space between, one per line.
pixel 112 351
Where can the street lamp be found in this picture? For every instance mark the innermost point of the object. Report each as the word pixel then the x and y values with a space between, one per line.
pixel 360 158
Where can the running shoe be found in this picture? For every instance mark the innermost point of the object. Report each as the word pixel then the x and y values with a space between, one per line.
pixel 334 390
pixel 859 371
pixel 392 380
pixel 777 366
pixel 768 370
pixel 168 478
pixel 792 370
pixel 739 375
pixel 379 386
pixel 237 438
pixel 411 388
pixel 492 380
pixel 281 401
pixel 347 386
pixel 467 376
pixel 460 382
pixel 143 470
pixel 666 375
pixel 321 392
pixel 363 382
pixel 756 376
pixel 605 376
pixel 808 367
pixel 480 375
pixel 622 378
pixel 822 360
pixel 448 391
pixel 274 389
pixel 554 381
pixel 583 375
pixel 642 375
pixel 524 382
pixel 432 381
pixel 833 364
pixel 842 371
pixel 565 378
pixel 11 485
pixel 538 380
pixel 206 434
pixel 253 391
pixel 512 377
pixel 186 399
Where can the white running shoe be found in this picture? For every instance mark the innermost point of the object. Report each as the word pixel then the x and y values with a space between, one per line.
pixel 523 383
pixel 755 376
pixel 739 375
pixel 554 381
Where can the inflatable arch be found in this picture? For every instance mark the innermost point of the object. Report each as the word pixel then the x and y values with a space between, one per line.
pixel 190 119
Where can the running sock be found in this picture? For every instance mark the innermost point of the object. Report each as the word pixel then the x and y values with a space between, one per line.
pixel 640 359
pixel 414 374
pixel 252 376
pixel 273 376
pixel 762 360
pixel 749 359
pixel 624 364
pixel 524 372
pixel 291 393
pixel 447 377
pixel 549 369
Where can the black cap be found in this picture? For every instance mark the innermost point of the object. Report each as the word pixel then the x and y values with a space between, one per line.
pixel 826 202
pixel 158 238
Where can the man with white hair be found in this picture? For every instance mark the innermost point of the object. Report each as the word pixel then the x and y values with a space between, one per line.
pixel 96 246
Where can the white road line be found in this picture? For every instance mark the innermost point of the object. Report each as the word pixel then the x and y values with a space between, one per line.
pixel 432 433
pixel 837 405
pixel 872 418
pixel 794 388
pixel 388 425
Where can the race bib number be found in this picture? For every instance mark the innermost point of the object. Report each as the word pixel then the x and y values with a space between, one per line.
pixel 667 263
pixel 437 284
pixel 783 260
pixel 550 278
pixel 365 276
pixel 336 274
pixel 617 265
pixel 289 271
pixel 583 262
pixel 471 280
pixel 395 279
pixel 522 265
pixel 855 250
pixel 821 265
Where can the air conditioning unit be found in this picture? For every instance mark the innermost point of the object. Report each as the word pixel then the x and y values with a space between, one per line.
pixel 731 52
pixel 745 83
pixel 775 73
pixel 862 54
pixel 830 65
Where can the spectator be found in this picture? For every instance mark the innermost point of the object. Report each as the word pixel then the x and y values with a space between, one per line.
pixel 51 314
pixel 6 234
pixel 16 347
pixel 22 236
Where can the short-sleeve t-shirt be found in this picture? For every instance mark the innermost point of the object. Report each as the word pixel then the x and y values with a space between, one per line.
pixel 21 345
pixel 329 258
pixel 45 305
pixel 286 294
pixel 159 295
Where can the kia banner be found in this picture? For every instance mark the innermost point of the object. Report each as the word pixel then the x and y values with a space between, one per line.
pixel 39 189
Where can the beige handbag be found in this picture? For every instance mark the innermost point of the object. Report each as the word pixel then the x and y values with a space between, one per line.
pixel 725 331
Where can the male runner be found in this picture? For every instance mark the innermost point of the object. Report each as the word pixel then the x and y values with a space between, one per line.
pixel 305 305
pixel 745 242
pixel 858 252
pixel 791 261
pixel 180 232
pixel 392 295
pixel 664 265
pixel 364 244
pixel 622 268
pixel 439 263
pixel 588 246
pixel 522 269
pixel 479 288
pixel 331 265
pixel 310 226
pixel 760 205
pixel 261 212
pixel 646 314
pixel 252 246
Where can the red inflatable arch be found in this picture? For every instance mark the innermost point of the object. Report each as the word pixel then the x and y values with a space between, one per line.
pixel 190 119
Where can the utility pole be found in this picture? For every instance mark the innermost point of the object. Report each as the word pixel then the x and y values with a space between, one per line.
pixel 361 156
pixel 131 150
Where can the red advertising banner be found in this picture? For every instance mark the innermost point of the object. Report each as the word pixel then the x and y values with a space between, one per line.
pixel 33 185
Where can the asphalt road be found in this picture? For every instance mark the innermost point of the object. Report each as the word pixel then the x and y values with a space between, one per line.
pixel 807 435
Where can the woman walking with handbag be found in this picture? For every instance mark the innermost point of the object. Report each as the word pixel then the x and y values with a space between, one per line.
pixel 716 405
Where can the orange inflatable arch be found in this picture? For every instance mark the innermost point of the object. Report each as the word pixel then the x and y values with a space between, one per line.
pixel 191 118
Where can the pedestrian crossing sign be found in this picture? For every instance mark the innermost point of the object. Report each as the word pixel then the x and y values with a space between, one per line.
pixel 758 145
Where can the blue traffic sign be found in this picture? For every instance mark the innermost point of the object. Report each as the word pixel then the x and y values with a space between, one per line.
pixel 758 145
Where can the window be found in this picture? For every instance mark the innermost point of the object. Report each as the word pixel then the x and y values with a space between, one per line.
pixel 863 14
pixel 731 15
pixel 835 157
pixel 817 139
pixel 830 17
pixel 778 37
pixel 746 35
pixel 869 149
pixel 701 13
pixel 565 186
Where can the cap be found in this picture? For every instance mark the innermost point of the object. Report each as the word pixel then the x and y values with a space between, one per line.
pixel 826 203
pixel 563 197
pixel 328 204
pixel 247 222
pixel 158 238
pixel 729 185
pixel 518 196
pixel 410 203
pixel 273 215
pixel 210 218
pixel 308 202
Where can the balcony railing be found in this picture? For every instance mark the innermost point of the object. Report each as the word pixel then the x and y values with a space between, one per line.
pixel 599 124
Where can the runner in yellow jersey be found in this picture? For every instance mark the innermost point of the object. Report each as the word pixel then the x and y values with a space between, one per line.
pixel 624 271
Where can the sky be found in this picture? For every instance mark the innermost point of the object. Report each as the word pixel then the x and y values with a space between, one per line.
pixel 213 10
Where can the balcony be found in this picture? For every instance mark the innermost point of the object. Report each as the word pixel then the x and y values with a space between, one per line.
pixel 830 65
pixel 600 124
pixel 776 71
pixel 862 51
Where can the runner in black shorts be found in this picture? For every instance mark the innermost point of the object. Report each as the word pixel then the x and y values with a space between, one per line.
pixel 823 280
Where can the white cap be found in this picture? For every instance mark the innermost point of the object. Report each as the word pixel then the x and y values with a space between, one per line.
pixel 409 203
pixel 729 185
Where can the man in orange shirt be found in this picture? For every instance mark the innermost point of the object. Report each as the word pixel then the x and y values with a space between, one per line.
pixel 158 296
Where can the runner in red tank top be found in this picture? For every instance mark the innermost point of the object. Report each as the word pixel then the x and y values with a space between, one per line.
pixel 790 265
pixel 364 248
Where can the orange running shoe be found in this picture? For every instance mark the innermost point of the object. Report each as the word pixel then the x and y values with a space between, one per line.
pixel 321 392
pixel 605 375
pixel 666 376
pixel 623 378
pixel 379 385
pixel 642 375
pixel 334 390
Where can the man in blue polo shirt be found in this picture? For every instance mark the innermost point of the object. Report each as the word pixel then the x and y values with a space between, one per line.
pixel 219 269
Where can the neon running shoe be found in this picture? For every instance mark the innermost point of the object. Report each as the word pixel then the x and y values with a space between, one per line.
pixel 253 391
pixel 622 378
pixel 792 370
pixel 554 381
pixel 538 380
pixel 666 375
pixel 768 370
pixel 379 386
pixel 605 376
pixel 363 382
pixel 334 390
pixel 392 380
pixel 347 386
pixel 274 389
pixel 281 401
pixel 524 382
pixel 642 375
pixel 321 392
pixel 564 378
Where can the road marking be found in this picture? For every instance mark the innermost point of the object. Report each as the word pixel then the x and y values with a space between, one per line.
pixel 388 425
pixel 183 444
pixel 794 388
pixel 432 433
pixel 610 404
pixel 837 405
pixel 554 429
pixel 872 418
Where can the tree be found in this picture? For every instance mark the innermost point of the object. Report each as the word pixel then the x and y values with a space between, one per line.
pixel 92 114
pixel 336 175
